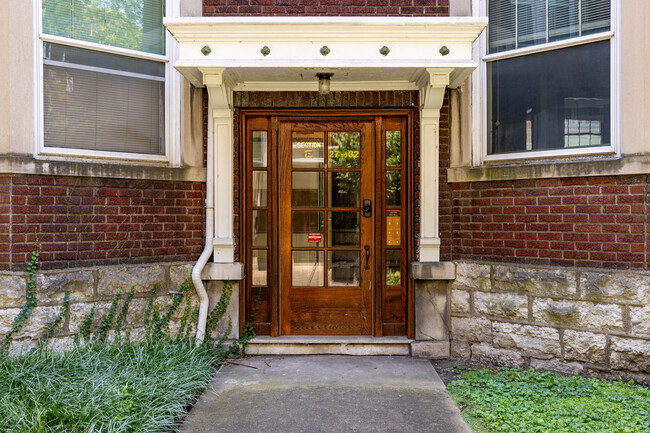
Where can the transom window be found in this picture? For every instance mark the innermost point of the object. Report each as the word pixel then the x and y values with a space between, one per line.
pixel 104 70
pixel 548 75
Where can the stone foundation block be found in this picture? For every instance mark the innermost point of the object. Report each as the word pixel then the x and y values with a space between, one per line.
pixel 430 349
pixel 501 304
pixel 557 366
pixel 178 274
pixel 460 350
pixel 79 312
pixel 471 329
pixel 53 285
pixel 615 285
pixel 491 355
pixel 460 301
pixel 431 310
pixel 583 314
pixel 584 347
pixel 640 320
pixel 143 278
pixel 215 289
pixel 630 354
pixel 36 323
pixel 472 276
pixel 12 290
pixel 533 341
pixel 535 280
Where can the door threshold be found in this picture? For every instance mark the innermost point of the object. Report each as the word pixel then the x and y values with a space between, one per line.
pixel 329 345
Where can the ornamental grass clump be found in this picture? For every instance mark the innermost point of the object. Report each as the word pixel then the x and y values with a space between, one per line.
pixel 103 387
pixel 511 400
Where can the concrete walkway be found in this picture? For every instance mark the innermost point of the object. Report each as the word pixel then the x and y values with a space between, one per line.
pixel 326 393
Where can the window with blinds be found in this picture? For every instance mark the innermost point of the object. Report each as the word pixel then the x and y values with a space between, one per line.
pixel 93 98
pixel 550 99
pixel 524 23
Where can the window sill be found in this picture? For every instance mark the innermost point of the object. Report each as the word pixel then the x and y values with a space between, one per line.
pixel 18 164
pixel 543 169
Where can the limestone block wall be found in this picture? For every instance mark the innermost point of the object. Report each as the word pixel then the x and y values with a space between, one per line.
pixel 574 320
pixel 94 286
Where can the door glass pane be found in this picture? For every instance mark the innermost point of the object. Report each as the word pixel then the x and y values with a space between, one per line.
pixel 307 229
pixel 343 228
pixel 343 268
pixel 393 148
pixel 307 268
pixel 344 150
pixel 393 188
pixel 259 228
pixel 307 149
pixel 259 267
pixel 344 189
pixel 307 189
pixel 259 188
pixel 393 227
pixel 393 267
pixel 259 149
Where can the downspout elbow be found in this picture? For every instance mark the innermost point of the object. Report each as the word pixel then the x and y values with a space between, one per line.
pixel 200 288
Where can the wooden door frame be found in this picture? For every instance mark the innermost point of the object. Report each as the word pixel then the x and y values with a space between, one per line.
pixel 322 115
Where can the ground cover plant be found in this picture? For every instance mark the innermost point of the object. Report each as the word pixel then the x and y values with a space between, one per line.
pixel 107 381
pixel 513 400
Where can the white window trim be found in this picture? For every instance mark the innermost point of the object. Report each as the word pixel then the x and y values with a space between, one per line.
pixel 479 155
pixel 172 150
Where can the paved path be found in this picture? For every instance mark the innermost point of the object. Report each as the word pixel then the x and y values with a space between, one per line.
pixel 326 393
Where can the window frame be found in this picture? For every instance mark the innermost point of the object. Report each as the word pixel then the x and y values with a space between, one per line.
pixel 171 149
pixel 479 86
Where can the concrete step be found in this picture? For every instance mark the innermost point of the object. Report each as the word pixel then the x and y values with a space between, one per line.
pixel 329 345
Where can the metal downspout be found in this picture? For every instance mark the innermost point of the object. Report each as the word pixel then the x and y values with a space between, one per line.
pixel 207 251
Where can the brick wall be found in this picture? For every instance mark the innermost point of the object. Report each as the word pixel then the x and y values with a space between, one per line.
pixel 583 221
pixel 326 7
pixel 89 221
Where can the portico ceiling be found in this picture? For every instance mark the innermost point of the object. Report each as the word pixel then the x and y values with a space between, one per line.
pixel 364 53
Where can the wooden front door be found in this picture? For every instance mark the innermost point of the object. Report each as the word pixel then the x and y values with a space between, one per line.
pixel 327 220
pixel 326 237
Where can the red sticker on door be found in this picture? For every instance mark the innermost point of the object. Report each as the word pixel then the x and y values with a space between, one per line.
pixel 314 237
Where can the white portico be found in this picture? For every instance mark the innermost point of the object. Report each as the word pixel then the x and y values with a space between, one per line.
pixel 286 54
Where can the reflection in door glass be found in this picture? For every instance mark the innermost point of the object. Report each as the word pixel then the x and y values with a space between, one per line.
pixel 307 268
pixel 343 268
pixel 307 229
pixel 343 228
pixel 393 148
pixel 393 267
pixel 259 267
pixel 259 228
pixel 259 149
pixel 393 188
pixel 307 189
pixel 259 188
pixel 344 188
pixel 344 150
pixel 307 149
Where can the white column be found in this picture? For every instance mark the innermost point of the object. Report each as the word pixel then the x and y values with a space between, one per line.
pixel 432 91
pixel 220 136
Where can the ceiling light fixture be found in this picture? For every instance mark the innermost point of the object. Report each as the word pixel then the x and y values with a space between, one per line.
pixel 324 82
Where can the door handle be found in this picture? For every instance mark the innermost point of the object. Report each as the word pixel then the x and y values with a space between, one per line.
pixel 367 208
pixel 367 248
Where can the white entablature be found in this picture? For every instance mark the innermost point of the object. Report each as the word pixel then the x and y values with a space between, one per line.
pixel 286 51
pixel 224 54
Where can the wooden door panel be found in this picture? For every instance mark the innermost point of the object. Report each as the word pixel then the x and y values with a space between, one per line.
pixel 314 153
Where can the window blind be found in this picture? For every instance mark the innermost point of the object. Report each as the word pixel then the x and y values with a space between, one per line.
pixel 521 23
pixel 132 24
pixel 88 105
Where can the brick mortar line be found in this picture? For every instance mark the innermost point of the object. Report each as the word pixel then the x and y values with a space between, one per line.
pixel 534 296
